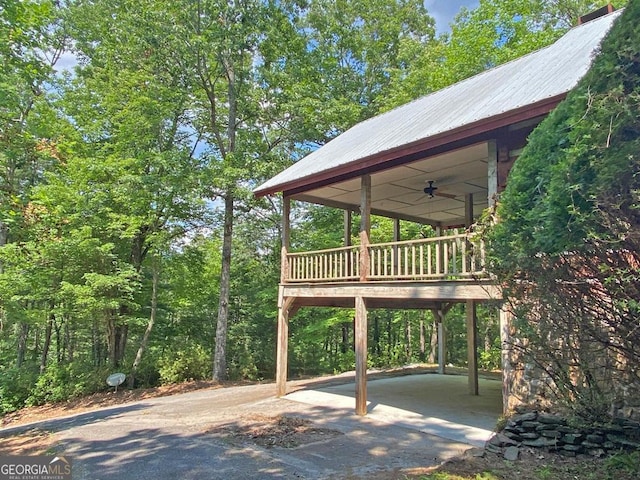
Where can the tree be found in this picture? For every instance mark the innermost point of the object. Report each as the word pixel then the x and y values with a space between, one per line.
pixel 252 91
pixel 567 245
pixel 31 41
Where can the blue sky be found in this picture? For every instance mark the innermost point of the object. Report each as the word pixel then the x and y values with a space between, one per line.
pixel 444 10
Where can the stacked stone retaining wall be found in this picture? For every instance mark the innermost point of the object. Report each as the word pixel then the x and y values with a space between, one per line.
pixel 554 433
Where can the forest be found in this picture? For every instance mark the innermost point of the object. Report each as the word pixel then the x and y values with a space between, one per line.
pixel 131 136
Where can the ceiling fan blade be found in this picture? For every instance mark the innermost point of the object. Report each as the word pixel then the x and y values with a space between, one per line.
pixel 442 194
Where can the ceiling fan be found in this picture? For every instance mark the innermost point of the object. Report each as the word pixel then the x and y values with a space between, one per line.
pixel 430 190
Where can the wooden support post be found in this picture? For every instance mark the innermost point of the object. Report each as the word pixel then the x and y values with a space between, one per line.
pixel 286 222
pixel 361 356
pixel 468 221
pixel 365 203
pixel 365 226
pixel 492 173
pixel 440 313
pixel 507 370
pixel 396 238
pixel 284 307
pixel 472 347
pixel 349 267
pixel 439 269
pixel 286 238
pixel 347 228
pixel 468 210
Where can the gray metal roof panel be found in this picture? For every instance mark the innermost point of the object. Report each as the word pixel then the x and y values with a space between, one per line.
pixel 543 74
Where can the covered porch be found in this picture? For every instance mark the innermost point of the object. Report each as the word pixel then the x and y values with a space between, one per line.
pixel 435 272
pixel 440 160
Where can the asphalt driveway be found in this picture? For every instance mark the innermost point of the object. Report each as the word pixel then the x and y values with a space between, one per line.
pixel 178 437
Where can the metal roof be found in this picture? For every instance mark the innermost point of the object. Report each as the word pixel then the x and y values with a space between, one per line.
pixel 547 73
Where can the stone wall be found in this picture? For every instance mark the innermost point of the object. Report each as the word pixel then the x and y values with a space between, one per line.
pixel 527 385
pixel 554 433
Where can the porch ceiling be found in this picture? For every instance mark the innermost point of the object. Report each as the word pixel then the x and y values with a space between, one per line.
pixel 398 192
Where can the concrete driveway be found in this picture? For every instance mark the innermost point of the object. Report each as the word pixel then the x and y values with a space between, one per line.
pixel 435 404
pixel 171 437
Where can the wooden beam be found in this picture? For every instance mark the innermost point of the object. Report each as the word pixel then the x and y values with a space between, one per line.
pixel 431 291
pixel 468 210
pixel 396 238
pixel 282 347
pixel 361 356
pixel 286 222
pixel 365 204
pixel 472 347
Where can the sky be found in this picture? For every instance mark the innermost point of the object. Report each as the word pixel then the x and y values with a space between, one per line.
pixel 443 11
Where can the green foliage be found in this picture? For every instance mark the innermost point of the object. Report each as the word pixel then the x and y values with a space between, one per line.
pixel 186 365
pixel 20 387
pixel 566 246
pixel 628 462
pixel 15 387
pixel 61 382
pixel 490 359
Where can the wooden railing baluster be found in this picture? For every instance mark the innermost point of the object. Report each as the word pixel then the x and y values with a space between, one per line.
pixel 447 258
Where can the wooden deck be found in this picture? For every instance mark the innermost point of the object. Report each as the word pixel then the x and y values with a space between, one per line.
pixel 431 273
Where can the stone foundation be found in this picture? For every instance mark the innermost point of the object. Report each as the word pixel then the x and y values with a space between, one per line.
pixel 526 385
pixel 555 434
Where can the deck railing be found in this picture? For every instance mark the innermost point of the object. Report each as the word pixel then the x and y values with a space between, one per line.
pixel 453 257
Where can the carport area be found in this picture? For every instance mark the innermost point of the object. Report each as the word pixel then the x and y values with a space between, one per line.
pixel 430 403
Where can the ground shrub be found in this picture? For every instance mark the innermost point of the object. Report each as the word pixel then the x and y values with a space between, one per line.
pixel 185 365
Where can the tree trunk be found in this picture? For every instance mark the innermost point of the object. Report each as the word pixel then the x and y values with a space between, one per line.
pixel 123 334
pixel 345 338
pixel 4 236
pixel 116 340
pixel 376 335
pixel 23 332
pixel 59 341
pixel 433 343
pixel 97 344
pixel 147 332
pixel 423 349
pixel 69 341
pixel 407 330
pixel 47 344
pixel 219 356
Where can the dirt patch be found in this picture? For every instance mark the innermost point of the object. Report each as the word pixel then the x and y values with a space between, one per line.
pixel 273 431
pixel 31 442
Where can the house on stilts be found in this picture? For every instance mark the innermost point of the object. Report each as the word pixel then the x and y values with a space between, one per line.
pixel 440 160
